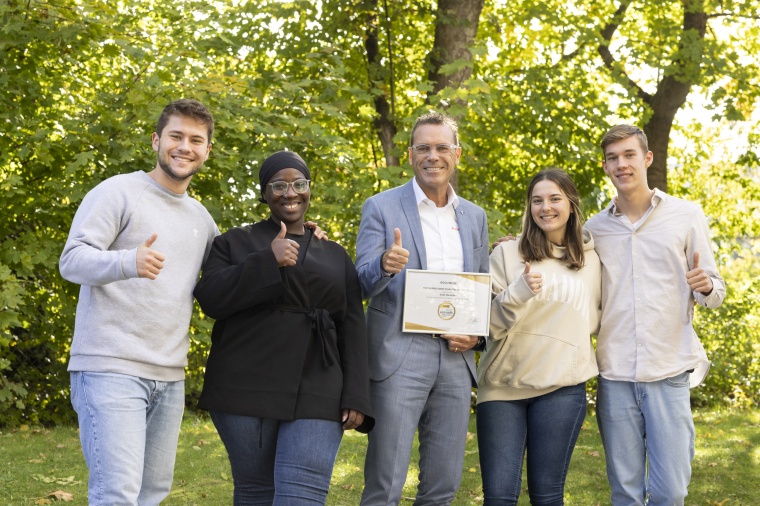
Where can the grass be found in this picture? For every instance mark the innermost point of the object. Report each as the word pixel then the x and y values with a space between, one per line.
pixel 35 463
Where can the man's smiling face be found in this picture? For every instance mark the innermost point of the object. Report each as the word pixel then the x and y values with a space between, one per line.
pixel 626 163
pixel 433 170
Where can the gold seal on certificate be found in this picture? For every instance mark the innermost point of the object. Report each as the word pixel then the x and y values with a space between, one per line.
pixel 446 310
pixel 437 302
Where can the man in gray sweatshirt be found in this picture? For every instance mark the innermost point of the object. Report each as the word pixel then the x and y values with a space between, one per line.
pixel 136 247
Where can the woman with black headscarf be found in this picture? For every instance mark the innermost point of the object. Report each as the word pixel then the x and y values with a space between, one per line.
pixel 287 372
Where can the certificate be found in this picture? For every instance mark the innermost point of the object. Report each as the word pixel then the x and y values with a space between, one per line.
pixel 447 302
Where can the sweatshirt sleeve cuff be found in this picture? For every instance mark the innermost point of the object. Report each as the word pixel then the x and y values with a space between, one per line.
pixel 129 264
pixel 522 291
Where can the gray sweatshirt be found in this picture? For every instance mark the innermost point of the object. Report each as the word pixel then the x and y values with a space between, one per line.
pixel 126 324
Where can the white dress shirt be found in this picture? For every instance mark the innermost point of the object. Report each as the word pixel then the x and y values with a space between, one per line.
pixel 443 244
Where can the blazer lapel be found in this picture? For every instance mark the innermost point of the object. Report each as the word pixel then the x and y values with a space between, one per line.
pixel 465 234
pixel 409 207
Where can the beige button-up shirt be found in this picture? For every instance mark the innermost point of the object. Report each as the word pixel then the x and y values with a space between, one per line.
pixel 647 306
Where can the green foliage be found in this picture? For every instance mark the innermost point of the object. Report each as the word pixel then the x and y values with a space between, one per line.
pixel 730 195
pixel 84 81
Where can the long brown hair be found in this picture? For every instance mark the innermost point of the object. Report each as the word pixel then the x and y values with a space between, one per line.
pixel 534 246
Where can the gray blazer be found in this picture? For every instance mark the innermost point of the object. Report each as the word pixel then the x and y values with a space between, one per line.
pixel 397 208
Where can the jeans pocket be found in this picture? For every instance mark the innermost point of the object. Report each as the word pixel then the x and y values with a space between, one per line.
pixel 679 381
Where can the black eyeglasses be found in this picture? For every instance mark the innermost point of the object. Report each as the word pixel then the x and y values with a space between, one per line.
pixel 441 149
pixel 281 187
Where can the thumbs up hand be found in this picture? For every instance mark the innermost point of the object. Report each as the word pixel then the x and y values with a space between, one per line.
pixel 534 280
pixel 396 257
pixel 697 279
pixel 149 261
pixel 285 251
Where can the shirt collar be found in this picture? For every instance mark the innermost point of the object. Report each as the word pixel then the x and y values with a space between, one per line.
pixel 420 196
pixel 657 197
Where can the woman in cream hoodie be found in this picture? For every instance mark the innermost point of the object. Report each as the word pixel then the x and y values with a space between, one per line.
pixel 546 289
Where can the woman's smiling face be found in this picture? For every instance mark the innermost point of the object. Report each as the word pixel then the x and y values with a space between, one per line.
pixel 550 209
pixel 290 207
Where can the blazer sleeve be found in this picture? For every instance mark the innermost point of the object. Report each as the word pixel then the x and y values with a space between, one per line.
pixel 370 245
pixel 483 260
pixel 229 285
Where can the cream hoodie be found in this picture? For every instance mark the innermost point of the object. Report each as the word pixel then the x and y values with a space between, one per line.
pixel 540 342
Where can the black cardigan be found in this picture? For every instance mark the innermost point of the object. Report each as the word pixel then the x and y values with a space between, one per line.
pixel 288 342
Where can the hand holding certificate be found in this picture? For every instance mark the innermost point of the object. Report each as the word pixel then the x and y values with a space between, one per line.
pixel 447 302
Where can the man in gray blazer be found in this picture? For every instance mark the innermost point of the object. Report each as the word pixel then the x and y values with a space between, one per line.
pixel 419 381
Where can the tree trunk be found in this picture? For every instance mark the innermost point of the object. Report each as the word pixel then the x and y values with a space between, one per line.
pixel 385 121
pixel 456 25
pixel 672 91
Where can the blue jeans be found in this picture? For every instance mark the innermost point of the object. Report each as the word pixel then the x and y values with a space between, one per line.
pixel 544 427
pixel 647 423
pixel 129 428
pixel 279 463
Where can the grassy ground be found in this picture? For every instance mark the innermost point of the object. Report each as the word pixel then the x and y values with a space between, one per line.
pixel 36 464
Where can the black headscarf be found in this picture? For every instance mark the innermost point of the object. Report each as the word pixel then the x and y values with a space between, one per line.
pixel 277 162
